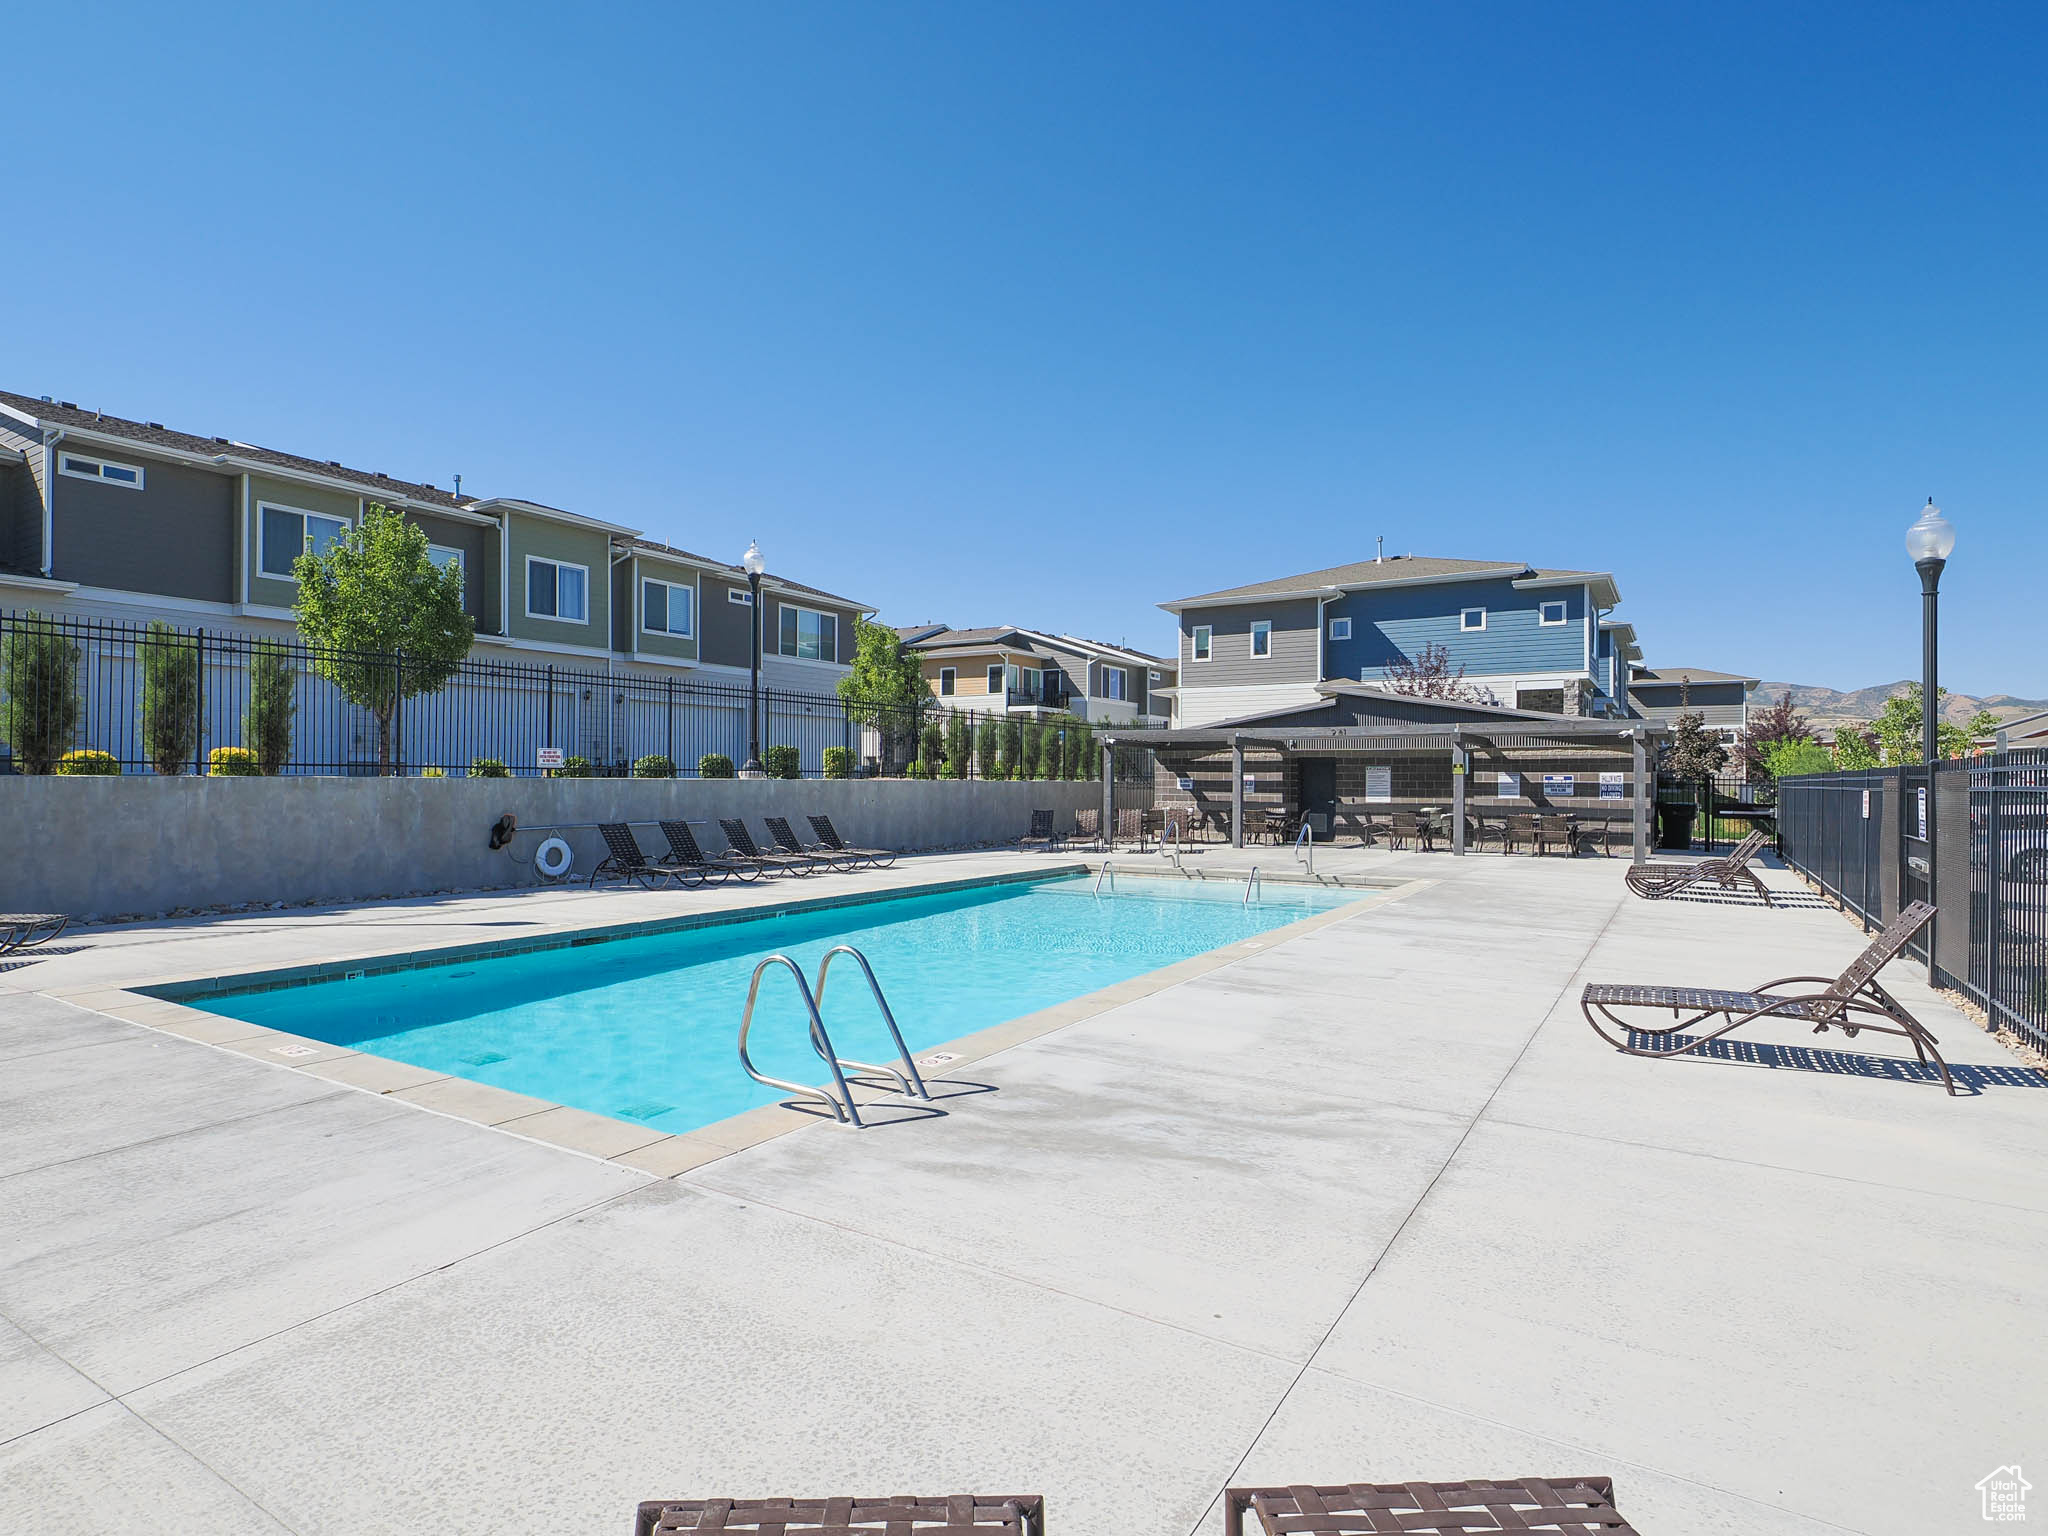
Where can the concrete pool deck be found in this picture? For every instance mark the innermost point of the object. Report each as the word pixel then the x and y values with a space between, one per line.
pixel 1369 1202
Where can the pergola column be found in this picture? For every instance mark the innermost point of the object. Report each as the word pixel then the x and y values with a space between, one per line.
pixel 1237 791
pixel 1641 815
pixel 1461 762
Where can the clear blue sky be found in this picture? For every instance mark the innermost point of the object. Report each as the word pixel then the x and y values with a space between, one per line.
pixel 1041 315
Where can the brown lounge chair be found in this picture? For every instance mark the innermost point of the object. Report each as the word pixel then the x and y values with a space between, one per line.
pixel 1087 829
pixel 902 1515
pixel 685 852
pixel 1580 1506
pixel 747 851
pixel 25 930
pixel 874 858
pixel 623 860
pixel 1653 882
pixel 1849 1002
pixel 787 840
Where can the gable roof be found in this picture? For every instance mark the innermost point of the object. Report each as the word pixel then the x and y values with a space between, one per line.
pixel 1396 570
pixel 1672 676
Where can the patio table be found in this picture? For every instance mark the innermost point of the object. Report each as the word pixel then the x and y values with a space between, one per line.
pixel 1580 1506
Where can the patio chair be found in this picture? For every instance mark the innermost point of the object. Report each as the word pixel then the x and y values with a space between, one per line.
pixel 874 858
pixel 1087 828
pixel 1130 829
pixel 1579 1506
pixel 1554 832
pixel 25 930
pixel 1041 834
pixel 623 860
pixel 787 840
pixel 684 852
pixel 743 847
pixel 1521 828
pixel 1653 882
pixel 902 1515
pixel 1481 830
pixel 1849 1002
pixel 1405 827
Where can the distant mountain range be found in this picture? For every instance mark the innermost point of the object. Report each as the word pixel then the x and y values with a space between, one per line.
pixel 1830 709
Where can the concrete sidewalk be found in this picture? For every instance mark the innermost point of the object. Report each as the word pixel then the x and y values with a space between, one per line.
pixel 1372 1203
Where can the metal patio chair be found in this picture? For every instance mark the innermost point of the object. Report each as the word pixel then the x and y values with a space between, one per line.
pixel 1653 882
pixel 1087 828
pixel 684 852
pixel 623 860
pixel 1561 1506
pixel 787 840
pixel 747 851
pixel 1849 1002
pixel 875 858
pixel 1041 834
pixel 901 1515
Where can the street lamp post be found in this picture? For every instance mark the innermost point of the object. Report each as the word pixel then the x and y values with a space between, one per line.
pixel 1930 541
pixel 753 564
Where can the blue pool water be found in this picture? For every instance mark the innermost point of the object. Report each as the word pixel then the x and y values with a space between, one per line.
pixel 645 1028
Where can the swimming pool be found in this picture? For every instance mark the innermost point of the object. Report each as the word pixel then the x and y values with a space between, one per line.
pixel 644 1028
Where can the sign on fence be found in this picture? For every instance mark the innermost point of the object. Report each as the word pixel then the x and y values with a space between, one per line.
pixel 547 757
pixel 1610 786
pixel 1510 785
pixel 1866 805
pixel 1560 786
pixel 1379 785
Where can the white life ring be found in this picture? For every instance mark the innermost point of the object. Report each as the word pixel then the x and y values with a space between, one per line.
pixel 553 858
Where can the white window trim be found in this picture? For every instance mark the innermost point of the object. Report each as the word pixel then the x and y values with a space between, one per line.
pixel 1465 626
pixel 800 610
pixel 1201 640
pixel 65 456
pixel 949 681
pixel 461 560
pixel 1252 640
pixel 1337 633
pixel 1156 676
pixel 672 586
pixel 1563 614
pixel 996 682
pixel 560 565
pixel 1116 698
pixel 301 513
pixel 739 595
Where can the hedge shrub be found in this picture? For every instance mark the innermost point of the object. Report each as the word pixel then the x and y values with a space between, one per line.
pixel 38 694
pixel 487 768
pixel 782 762
pixel 433 773
pixel 654 766
pixel 714 765
pixel 839 762
pixel 572 768
pixel 234 763
pixel 87 764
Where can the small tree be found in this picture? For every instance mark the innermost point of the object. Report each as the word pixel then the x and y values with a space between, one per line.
pixel 959 749
pixel 838 762
pixel 170 698
pixel 38 693
pixel 931 748
pixel 387 622
pixel 1013 747
pixel 782 762
pixel 1080 749
pixel 1898 729
pixel 885 688
pixel 1052 748
pixel 1778 723
pixel 273 706
pixel 1800 755
pixel 985 749
pixel 1855 747
pixel 1695 754
pixel 1029 734
pixel 1430 675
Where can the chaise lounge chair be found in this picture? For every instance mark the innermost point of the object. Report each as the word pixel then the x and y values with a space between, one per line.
pixel 787 840
pixel 1653 882
pixel 901 1515
pixel 1849 1002
pixel 747 851
pixel 684 852
pixel 25 930
pixel 875 858
pixel 623 860
pixel 1580 1506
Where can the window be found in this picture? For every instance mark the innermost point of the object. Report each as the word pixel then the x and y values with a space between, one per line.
pixel 1157 677
pixel 1262 637
pixel 666 607
pixel 556 589
pixel 949 679
pixel 1116 683
pixel 445 557
pixel 995 677
pixel 809 635
pixel 288 533
pixel 1199 642
pixel 1471 618
pixel 1340 629
pixel 81 468
pixel 739 595
pixel 1550 613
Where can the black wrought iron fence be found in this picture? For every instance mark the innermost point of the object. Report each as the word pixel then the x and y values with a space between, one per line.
pixel 1864 838
pixel 1724 807
pixel 88 695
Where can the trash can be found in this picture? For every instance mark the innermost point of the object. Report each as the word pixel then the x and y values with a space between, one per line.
pixel 1675 822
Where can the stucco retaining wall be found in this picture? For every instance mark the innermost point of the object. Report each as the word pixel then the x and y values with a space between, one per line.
pixel 137 845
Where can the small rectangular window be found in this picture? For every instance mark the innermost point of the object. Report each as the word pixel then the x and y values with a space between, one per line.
pixel 949 679
pixel 1158 677
pixel 1116 684
pixel 665 607
pixel 807 634
pixel 1472 618
pixel 1198 642
pixel 995 678
pixel 286 533
pixel 1340 629
pixel 556 589
pixel 104 470
pixel 447 558
pixel 739 595
pixel 1550 614
pixel 1262 637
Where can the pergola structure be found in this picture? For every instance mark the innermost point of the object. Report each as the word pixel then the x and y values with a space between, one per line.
pixel 1494 729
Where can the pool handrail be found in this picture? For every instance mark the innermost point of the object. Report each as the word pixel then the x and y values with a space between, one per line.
pixel 1251 883
pixel 915 1083
pixel 843 1106
pixel 1306 837
pixel 1108 870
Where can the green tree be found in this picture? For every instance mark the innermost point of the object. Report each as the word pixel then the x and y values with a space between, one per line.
pixel 885 688
pixel 1799 754
pixel 1029 735
pixel 1695 754
pixel 38 693
pixel 1013 746
pixel 958 746
pixel 931 748
pixel 1898 729
pixel 1080 749
pixel 170 698
pixel 386 621
pixel 985 748
pixel 273 705
pixel 1855 747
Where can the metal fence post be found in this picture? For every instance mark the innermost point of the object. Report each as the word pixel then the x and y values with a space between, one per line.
pixel 398 712
pixel 551 707
pixel 199 701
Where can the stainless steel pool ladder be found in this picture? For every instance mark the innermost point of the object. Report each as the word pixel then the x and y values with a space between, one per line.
pixel 1306 838
pixel 1251 884
pixel 842 1105
pixel 1107 872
